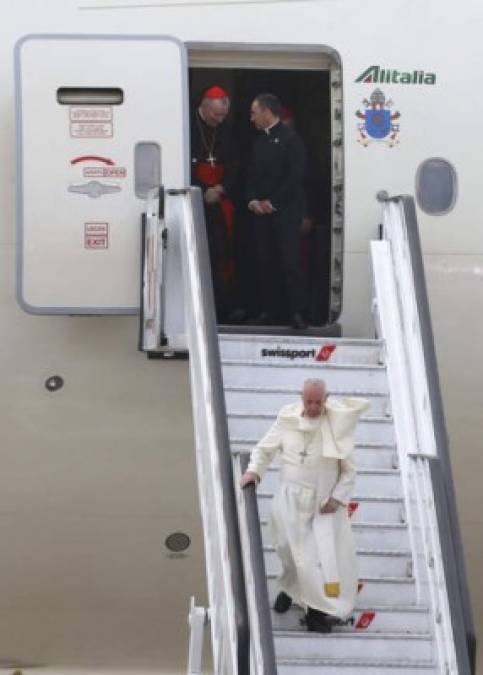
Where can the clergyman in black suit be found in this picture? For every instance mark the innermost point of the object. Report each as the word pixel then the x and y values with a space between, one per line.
pixel 275 196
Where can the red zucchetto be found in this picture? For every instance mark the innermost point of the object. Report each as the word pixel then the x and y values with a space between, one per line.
pixel 215 92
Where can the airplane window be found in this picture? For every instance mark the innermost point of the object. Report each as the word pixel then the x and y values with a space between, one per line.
pixel 436 186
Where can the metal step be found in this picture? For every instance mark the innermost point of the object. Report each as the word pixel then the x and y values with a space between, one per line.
pixel 269 400
pixel 373 590
pixel 244 372
pixel 366 509
pixel 369 482
pixel 373 536
pixel 369 429
pixel 285 349
pixel 370 562
pixel 367 619
pixel 353 645
pixel 354 666
pixel 370 455
pixel 381 535
pixel 376 457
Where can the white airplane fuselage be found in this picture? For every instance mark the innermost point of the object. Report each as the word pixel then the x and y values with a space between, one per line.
pixel 96 475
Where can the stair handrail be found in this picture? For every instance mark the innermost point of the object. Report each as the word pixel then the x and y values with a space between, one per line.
pixel 224 566
pixel 431 467
pixel 419 513
pixel 261 630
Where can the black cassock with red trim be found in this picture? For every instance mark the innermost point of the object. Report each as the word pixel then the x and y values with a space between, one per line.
pixel 214 162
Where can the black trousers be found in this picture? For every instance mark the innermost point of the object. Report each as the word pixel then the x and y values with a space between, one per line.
pixel 277 248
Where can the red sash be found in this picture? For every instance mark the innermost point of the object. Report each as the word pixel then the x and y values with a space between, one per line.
pixel 209 175
pixel 213 175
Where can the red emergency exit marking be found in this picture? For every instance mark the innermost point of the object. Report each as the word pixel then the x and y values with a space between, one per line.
pixel 90 114
pixel 96 236
pixel 104 172
pixel 91 130
pixel 325 353
pixel 352 508
pixel 365 620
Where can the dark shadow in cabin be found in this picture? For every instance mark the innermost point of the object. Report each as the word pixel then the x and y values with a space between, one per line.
pixel 307 95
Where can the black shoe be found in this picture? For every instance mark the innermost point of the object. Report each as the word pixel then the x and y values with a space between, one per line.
pixel 238 316
pixel 298 321
pixel 282 603
pixel 318 622
pixel 261 320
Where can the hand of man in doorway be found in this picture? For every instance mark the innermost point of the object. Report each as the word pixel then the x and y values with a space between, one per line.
pixel 261 207
pixel 307 225
pixel 213 195
pixel 267 207
pixel 330 506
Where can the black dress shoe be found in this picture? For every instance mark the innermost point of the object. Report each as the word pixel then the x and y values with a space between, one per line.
pixel 298 321
pixel 282 603
pixel 318 622
pixel 262 319
pixel 238 316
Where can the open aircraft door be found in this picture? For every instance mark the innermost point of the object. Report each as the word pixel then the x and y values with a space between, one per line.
pixel 102 125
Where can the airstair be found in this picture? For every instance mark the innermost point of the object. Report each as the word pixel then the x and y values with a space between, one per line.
pixel 413 613
pixel 392 630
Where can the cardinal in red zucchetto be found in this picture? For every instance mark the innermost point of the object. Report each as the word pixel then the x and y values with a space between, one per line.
pixel 214 170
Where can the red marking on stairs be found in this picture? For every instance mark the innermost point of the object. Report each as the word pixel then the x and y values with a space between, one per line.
pixel 325 352
pixel 365 620
pixel 352 508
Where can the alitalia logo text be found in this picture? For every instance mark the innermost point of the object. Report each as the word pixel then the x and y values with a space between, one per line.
pixel 378 75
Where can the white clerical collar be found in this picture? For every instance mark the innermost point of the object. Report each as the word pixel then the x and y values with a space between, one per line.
pixel 268 129
pixel 310 423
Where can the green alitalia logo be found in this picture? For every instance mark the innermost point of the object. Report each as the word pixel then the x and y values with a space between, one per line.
pixel 378 75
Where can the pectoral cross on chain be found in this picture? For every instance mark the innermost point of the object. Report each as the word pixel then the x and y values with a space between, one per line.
pixel 211 159
pixel 307 441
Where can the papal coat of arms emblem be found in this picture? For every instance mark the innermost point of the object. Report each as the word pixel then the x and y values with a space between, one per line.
pixel 378 120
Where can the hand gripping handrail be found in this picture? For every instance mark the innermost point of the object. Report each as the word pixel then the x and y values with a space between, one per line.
pixel 226 588
pixel 439 467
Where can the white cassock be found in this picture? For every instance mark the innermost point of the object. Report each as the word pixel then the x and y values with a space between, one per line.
pixel 317 551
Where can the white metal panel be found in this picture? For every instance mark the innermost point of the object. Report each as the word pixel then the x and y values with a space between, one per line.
pixel 174 297
pixel 59 270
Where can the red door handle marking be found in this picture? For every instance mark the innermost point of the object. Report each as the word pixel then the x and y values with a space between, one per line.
pixel 92 158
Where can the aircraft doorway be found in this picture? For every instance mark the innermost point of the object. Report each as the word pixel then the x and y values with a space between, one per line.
pixel 310 95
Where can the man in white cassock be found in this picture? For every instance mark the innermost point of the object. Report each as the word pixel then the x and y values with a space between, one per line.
pixel 309 523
